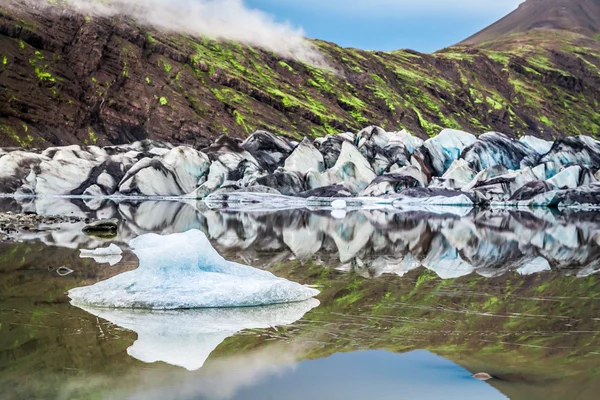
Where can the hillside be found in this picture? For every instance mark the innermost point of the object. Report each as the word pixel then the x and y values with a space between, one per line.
pixel 67 78
pixel 576 16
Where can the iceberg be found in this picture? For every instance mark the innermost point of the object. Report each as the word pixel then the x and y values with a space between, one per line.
pixel 186 338
pixel 184 271
pixel 112 250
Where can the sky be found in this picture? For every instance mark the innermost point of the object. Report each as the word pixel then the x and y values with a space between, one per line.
pixel 423 25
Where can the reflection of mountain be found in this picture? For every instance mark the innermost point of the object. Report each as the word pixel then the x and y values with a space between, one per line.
pixel 186 338
pixel 370 242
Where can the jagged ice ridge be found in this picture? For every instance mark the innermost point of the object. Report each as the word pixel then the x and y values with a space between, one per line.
pixel 452 168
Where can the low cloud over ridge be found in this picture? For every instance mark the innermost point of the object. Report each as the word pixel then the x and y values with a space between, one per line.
pixel 219 19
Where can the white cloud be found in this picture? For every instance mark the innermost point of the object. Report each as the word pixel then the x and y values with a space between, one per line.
pixel 223 19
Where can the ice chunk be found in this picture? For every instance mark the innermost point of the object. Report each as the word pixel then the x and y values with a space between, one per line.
pixel 458 175
pixel 351 169
pixel 112 250
pixel 572 177
pixel 447 147
pixel 339 204
pixel 409 141
pixel 304 157
pixel 540 146
pixel 108 255
pixel 186 338
pixel 539 264
pixel 183 270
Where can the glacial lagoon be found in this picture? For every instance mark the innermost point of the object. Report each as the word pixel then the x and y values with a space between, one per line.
pixel 412 303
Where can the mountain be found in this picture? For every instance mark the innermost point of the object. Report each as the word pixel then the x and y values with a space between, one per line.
pixel 575 16
pixel 67 78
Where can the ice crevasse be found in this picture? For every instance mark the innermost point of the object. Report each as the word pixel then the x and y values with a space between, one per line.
pixel 184 271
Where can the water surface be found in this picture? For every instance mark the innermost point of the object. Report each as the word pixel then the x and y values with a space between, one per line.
pixel 411 302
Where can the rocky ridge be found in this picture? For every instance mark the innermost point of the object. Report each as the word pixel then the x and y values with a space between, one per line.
pixel 373 165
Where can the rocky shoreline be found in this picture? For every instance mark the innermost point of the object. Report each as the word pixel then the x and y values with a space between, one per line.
pixel 12 224
pixel 452 168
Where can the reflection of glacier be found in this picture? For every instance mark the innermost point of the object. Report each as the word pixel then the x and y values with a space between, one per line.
pixel 186 338
pixel 369 242
pixel 183 271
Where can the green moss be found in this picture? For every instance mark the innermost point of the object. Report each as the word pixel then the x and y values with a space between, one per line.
pixel 150 39
pixel 4 60
pixel 240 120
pixel 148 81
pixel 167 67
pixel 286 66
pixel 163 101
pixel 125 71
pixel 21 45
pixel 40 68
pixel 430 128
pixel 25 142
pixel 543 119
pixel 494 103
pixel 92 138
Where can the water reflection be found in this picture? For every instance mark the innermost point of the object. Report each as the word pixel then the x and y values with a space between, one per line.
pixel 368 242
pixel 359 375
pixel 186 338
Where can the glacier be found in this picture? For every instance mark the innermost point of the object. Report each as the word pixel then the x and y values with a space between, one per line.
pixel 198 332
pixel 489 169
pixel 184 271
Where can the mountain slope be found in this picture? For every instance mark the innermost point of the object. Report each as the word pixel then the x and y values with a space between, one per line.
pixel 67 78
pixel 575 16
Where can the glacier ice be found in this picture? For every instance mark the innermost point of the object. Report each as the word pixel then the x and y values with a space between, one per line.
pixel 447 147
pixel 537 265
pixel 112 250
pixel 304 157
pixel 106 255
pixel 540 146
pixel 184 271
pixel 186 338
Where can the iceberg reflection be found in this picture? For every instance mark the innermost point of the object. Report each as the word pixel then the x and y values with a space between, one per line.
pixel 185 338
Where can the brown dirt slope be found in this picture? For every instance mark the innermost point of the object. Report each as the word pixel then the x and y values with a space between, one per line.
pixel 575 16
pixel 67 78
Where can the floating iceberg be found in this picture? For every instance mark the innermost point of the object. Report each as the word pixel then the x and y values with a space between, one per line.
pixel 112 250
pixel 104 255
pixel 183 271
pixel 186 338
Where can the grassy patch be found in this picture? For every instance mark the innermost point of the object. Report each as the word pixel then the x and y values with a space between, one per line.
pixel 41 68
pixel 286 66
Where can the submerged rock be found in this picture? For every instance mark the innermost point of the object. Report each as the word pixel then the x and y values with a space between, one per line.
pixel 183 271
pixel 103 228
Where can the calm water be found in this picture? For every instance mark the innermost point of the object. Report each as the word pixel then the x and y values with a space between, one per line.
pixel 411 305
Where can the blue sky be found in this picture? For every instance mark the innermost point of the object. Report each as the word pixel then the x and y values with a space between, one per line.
pixel 423 25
